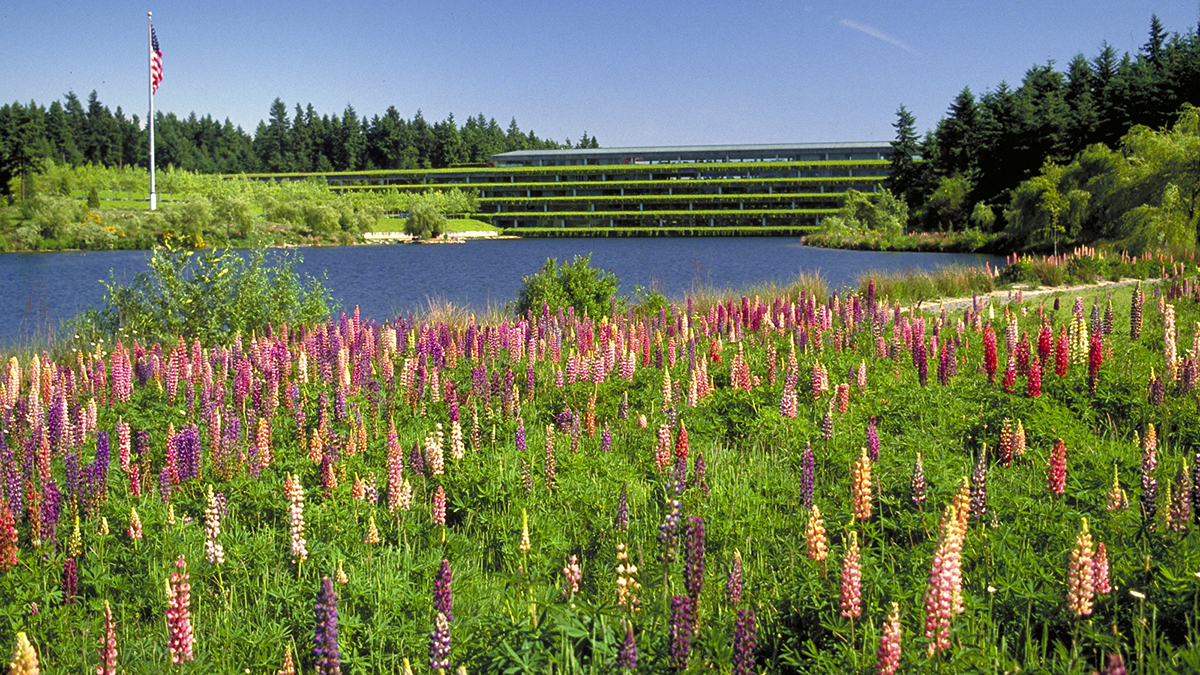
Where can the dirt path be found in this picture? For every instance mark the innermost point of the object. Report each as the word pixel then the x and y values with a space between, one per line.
pixel 1002 296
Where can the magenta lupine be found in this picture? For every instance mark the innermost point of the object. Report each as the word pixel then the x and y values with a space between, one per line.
pixel 180 640
pixel 887 659
pixel 1196 488
pixel 1180 503
pixel 443 601
pixel 108 645
pixel 1033 387
pixel 851 589
pixel 1081 587
pixel 1095 360
pixel 1062 350
pixel 1010 373
pixel 327 658
pixel 1116 665
pixel 680 632
pixel 990 361
pixel 744 642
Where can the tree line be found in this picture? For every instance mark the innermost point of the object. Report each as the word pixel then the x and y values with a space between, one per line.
pixel 72 133
pixel 965 171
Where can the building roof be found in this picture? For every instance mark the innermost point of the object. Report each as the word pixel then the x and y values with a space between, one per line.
pixel 676 151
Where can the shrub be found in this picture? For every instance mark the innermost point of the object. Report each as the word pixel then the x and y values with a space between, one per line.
pixel 208 295
pixel 588 290
pixel 424 221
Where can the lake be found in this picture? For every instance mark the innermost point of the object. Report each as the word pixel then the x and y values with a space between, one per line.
pixel 42 289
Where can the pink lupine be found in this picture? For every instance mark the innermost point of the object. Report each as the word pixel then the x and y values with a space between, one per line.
pixel 572 574
pixel 662 451
pixel 888 656
pixel 213 551
pixel 1100 576
pixel 395 467
pixel 135 525
pixel 1081 587
pixel 439 507
pixel 851 599
pixel 943 596
pixel 108 646
pixel 179 618
pixel 262 442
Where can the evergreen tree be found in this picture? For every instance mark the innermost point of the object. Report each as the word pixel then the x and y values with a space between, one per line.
pixel 904 171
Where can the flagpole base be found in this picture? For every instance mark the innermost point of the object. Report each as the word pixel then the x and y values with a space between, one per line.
pixel 153 201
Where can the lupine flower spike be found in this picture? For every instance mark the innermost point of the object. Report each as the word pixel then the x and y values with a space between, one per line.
pixel 1081 587
pixel 179 616
pixel 862 486
pixel 1057 475
pixel 325 631
pixel 108 646
pixel 814 535
pixel 851 600
pixel 25 659
pixel 888 656
pixel 743 642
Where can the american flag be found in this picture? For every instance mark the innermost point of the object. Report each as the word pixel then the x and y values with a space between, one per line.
pixel 155 62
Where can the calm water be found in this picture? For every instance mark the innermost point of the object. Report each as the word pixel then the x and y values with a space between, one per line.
pixel 41 289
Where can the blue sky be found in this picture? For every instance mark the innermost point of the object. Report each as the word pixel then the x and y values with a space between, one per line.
pixel 639 73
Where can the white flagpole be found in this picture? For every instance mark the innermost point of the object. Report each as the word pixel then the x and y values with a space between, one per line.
pixel 150 120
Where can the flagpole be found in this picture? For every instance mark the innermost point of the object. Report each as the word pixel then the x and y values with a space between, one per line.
pixel 150 120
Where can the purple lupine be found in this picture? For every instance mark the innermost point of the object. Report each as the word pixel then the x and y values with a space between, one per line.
pixel 519 436
pixel 605 439
pixel 668 532
pixel 72 478
pixel 1196 489
pixel 680 632
pixel 417 461
pixel 325 631
pixel 443 603
pixel 12 480
pixel 679 475
pixel 439 644
pixel 700 473
pixel 623 407
pixel 187 452
pixel 978 490
pixel 872 440
pixel 51 507
pixel 807 468
pixel 627 657
pixel 743 642
pixel 733 584
pixel 693 571
pixel 622 520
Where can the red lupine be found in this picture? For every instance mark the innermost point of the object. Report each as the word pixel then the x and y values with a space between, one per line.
pixel 1095 359
pixel 1062 352
pixel 1057 476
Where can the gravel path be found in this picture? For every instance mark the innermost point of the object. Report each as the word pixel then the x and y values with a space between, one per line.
pixel 1001 296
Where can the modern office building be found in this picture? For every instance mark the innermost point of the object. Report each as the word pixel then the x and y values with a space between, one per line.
pixel 693 186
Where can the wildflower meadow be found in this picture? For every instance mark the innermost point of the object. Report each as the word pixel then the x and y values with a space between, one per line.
pixel 834 482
